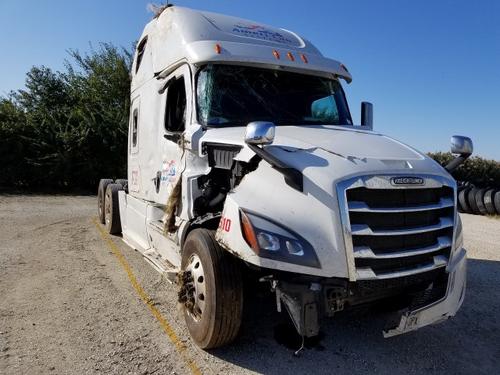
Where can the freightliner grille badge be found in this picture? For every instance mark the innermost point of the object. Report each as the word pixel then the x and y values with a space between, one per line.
pixel 407 180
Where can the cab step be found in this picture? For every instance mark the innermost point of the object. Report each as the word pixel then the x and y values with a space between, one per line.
pixel 164 267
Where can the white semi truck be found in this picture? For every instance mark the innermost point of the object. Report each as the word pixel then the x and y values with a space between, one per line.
pixel 243 159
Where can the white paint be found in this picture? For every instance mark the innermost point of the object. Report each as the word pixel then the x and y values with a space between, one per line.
pixel 182 34
pixel 178 42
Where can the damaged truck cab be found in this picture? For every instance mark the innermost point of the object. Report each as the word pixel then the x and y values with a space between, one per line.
pixel 243 157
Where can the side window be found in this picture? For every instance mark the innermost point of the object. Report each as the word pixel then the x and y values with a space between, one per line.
pixel 135 124
pixel 140 53
pixel 175 109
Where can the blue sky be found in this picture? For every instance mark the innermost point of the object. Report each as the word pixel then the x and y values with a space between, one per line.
pixel 431 68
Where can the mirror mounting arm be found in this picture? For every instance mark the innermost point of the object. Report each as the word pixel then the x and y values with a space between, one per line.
pixel 455 163
pixel 293 177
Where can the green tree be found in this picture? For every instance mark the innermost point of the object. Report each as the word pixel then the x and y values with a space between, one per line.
pixel 13 126
pixel 68 129
pixel 479 171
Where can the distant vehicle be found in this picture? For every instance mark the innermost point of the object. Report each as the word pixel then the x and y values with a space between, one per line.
pixel 243 157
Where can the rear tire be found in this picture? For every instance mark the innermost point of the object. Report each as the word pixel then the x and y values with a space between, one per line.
pixel 496 202
pixel 112 209
pixel 462 200
pixel 212 291
pixel 123 182
pixel 480 201
pixel 488 201
pixel 471 199
pixel 101 192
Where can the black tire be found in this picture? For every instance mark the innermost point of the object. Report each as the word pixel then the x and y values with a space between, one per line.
pixel 112 209
pixel 220 321
pixel 463 204
pixel 101 192
pixel 496 202
pixel 488 201
pixel 471 199
pixel 480 201
pixel 123 182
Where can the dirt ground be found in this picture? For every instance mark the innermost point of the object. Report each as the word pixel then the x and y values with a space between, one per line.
pixel 68 306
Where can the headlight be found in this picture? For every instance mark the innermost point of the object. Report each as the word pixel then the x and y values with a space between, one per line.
pixel 270 240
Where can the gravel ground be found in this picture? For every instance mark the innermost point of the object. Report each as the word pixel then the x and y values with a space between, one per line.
pixel 67 307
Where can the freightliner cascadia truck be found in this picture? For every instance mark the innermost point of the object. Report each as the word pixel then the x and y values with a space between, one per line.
pixel 243 159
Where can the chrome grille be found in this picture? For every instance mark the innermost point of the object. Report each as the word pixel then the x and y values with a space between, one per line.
pixel 394 231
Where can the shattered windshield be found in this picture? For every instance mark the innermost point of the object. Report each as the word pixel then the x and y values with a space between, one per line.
pixel 236 95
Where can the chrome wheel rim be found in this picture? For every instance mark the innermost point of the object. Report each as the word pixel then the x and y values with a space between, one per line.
pixel 107 208
pixel 197 294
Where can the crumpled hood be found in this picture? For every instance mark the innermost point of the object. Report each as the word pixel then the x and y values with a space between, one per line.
pixel 344 142
pixel 331 152
pixel 326 156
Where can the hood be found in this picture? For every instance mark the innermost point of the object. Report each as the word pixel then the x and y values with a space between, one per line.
pixel 333 152
pixel 326 156
pixel 343 141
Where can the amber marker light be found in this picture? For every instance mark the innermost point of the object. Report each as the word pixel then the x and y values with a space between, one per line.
pixel 248 232
pixel 304 58
pixel 218 48
pixel 276 54
pixel 290 56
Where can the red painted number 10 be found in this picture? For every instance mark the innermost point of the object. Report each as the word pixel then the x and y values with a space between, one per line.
pixel 225 224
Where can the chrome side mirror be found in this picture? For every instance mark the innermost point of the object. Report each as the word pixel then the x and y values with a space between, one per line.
pixel 461 145
pixel 259 133
pixel 367 115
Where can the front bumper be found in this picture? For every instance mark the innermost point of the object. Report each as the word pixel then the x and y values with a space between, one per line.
pixel 309 301
pixel 442 309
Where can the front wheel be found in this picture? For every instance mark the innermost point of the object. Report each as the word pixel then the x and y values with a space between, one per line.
pixel 211 291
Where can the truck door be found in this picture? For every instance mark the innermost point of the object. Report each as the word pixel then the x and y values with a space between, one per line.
pixel 177 111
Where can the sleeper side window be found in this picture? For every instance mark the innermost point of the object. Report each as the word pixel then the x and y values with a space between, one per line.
pixel 135 124
pixel 175 111
pixel 140 53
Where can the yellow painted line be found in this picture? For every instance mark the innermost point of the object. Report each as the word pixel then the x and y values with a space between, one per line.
pixel 179 345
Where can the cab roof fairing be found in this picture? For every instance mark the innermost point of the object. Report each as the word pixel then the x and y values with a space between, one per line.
pixel 182 34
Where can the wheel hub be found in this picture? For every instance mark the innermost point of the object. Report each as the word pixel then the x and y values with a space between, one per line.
pixel 194 287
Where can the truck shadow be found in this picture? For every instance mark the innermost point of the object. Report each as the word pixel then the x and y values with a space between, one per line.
pixel 353 342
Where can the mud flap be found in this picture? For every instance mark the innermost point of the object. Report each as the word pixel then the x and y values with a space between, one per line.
pixel 302 306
